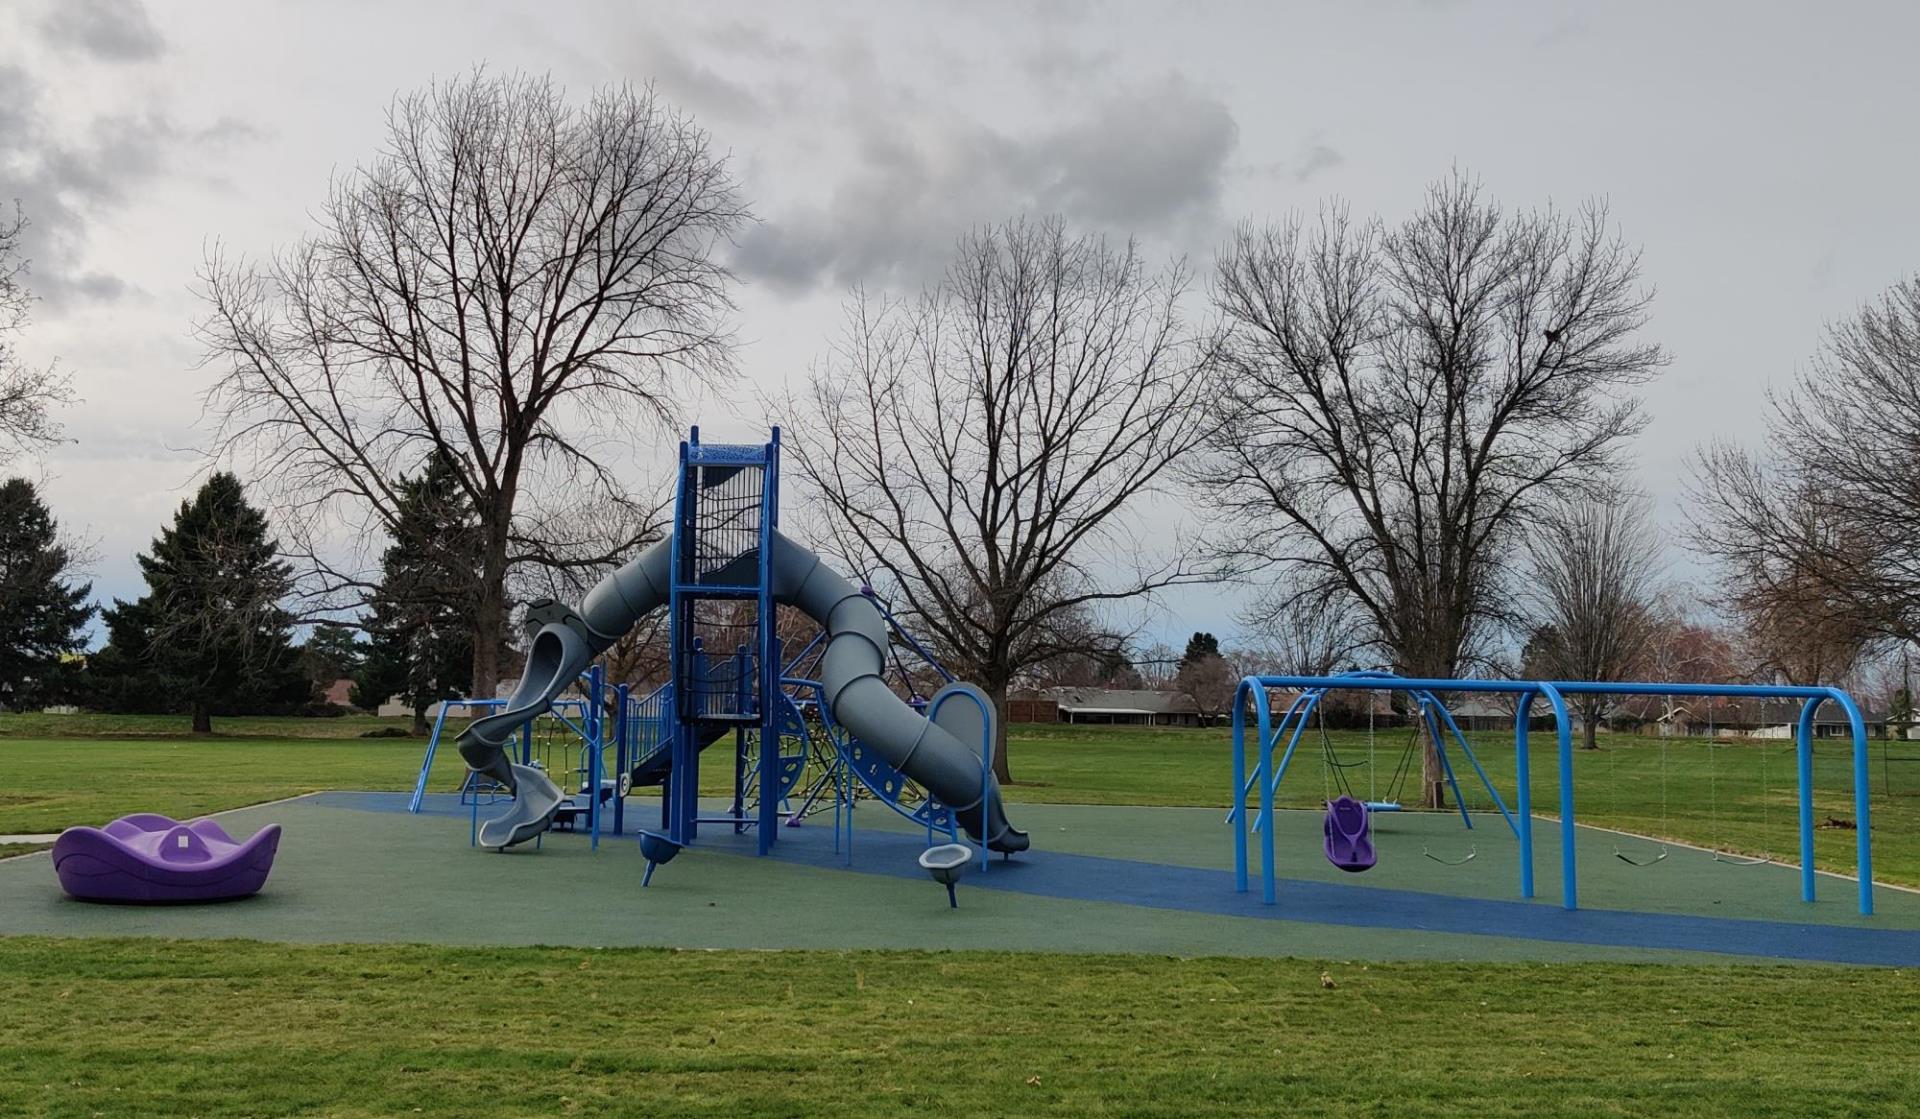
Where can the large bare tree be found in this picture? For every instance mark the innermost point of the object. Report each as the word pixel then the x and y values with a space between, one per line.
pixel 1592 596
pixel 28 392
pixel 1805 610
pixel 1821 527
pixel 517 282
pixel 1399 401
pixel 983 447
pixel 1295 630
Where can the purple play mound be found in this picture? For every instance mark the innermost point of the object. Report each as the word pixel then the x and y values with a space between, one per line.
pixel 151 859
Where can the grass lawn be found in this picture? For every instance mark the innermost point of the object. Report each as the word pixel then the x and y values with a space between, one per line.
pixel 63 770
pixel 240 1028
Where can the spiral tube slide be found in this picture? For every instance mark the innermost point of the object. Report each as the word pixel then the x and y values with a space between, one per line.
pixel 852 672
pixel 852 669
pixel 561 651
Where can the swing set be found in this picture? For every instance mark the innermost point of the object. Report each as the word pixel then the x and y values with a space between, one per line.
pixel 1347 828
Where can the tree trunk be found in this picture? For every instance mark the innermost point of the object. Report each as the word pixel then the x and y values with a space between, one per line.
pixel 490 610
pixel 1433 778
pixel 202 717
pixel 997 692
pixel 1590 726
pixel 420 719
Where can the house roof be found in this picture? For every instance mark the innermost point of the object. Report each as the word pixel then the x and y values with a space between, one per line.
pixel 1120 701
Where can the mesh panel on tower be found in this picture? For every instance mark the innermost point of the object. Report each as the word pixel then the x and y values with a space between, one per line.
pixel 726 527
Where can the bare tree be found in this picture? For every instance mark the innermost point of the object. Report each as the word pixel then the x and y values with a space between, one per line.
pixel 980 446
pixel 1301 631
pixel 1399 402
pixel 515 282
pixel 1592 574
pixel 1799 618
pixel 1825 521
pixel 1158 664
pixel 1684 649
pixel 1098 657
pixel 1209 682
pixel 28 393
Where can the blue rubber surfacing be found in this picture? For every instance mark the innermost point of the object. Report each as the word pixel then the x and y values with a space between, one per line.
pixel 1200 890
pixel 1196 890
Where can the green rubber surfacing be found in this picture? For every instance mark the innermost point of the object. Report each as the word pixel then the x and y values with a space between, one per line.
pixel 351 875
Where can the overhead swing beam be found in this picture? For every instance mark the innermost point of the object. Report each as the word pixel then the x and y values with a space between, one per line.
pixel 1251 705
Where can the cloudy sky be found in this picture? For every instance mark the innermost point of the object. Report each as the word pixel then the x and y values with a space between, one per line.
pixel 1762 154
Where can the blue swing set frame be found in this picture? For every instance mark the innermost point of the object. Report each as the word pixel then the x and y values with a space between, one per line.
pixel 1262 775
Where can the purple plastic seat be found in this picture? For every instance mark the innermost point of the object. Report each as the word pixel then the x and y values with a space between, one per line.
pixel 1349 831
pixel 151 859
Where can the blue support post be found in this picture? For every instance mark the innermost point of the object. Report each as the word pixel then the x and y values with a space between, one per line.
pixel 1523 792
pixel 1803 753
pixel 594 741
pixel 1466 750
pixel 1569 860
pixel 426 765
pixel 1266 798
pixel 1237 816
pixel 622 755
pixel 1427 704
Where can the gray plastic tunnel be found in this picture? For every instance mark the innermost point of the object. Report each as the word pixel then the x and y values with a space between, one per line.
pixel 851 676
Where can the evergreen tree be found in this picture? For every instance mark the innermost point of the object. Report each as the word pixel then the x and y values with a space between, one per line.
pixel 42 610
pixel 421 617
pixel 1199 647
pixel 209 636
pixel 332 652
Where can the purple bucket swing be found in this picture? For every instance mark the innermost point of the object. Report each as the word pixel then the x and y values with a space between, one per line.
pixel 1349 835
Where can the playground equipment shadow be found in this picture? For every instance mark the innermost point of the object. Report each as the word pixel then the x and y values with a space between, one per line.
pixel 354 867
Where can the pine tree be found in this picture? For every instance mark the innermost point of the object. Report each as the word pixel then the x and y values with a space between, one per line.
pixel 421 618
pixel 42 610
pixel 209 636
pixel 1199 647
pixel 332 652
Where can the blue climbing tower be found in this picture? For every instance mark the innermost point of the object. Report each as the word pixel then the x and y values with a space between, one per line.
pixel 726 659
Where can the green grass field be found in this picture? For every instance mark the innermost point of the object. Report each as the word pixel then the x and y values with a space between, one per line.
pixel 235 1028
pixel 1738 796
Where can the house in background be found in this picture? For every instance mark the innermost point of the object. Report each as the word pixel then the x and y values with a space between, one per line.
pixel 1137 707
pixel 1767 718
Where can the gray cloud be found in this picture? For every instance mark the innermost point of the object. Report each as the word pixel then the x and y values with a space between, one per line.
pixel 66 177
pixel 1317 158
pixel 1150 160
pixel 753 41
pixel 706 91
pixel 111 30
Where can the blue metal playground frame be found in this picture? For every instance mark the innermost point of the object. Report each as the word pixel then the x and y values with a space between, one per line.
pixel 754 688
pixel 1266 776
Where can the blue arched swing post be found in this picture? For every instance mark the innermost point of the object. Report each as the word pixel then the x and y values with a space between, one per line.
pixel 1267 777
pixel 1812 698
pixel 1252 694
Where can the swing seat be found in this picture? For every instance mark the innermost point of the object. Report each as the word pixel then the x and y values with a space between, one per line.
pixel 1349 835
pixel 1383 806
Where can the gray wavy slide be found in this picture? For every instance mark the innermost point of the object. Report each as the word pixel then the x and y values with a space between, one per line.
pixel 935 754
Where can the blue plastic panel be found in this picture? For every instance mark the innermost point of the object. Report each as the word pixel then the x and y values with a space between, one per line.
pixel 727 454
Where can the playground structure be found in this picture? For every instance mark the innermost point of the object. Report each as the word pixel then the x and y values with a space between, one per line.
pixel 809 732
pixel 1263 776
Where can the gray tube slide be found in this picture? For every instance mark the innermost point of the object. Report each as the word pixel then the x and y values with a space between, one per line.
pixel 561 651
pixel 852 668
pixel 852 675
